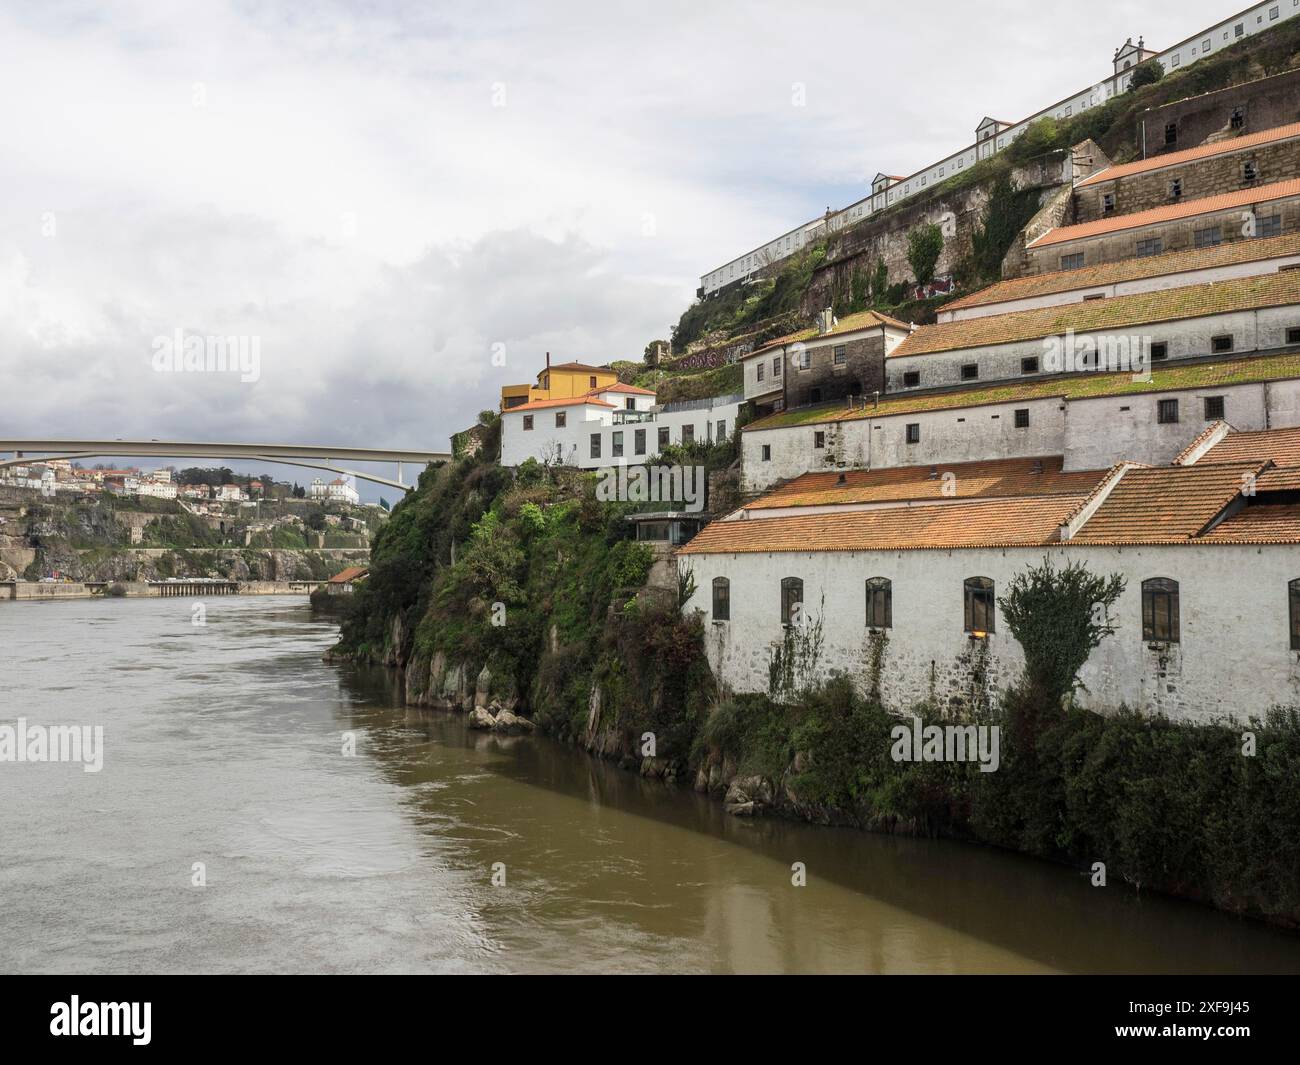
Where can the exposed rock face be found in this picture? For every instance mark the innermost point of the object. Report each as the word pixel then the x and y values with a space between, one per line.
pixel 482 686
pixel 748 796
pixel 481 718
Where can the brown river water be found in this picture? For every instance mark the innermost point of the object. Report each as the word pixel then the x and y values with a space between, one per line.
pixel 223 745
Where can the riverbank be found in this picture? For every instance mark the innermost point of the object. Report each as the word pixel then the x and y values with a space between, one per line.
pixel 49 591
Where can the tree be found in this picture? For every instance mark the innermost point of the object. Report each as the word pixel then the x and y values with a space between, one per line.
pixel 924 243
pixel 1147 74
pixel 1058 617
pixel 879 282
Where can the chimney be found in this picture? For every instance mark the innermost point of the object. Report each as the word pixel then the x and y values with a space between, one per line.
pixel 548 360
pixel 841 479
pixel 825 322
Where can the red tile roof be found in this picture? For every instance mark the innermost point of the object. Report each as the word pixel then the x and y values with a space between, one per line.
pixel 978 523
pixel 1187 209
pixel 1174 262
pixel 636 390
pixel 995 478
pixel 573 401
pixel 352 573
pixel 1280 445
pixel 854 322
pixel 1203 151
pixel 1165 504
pixel 1259 523
pixel 1138 308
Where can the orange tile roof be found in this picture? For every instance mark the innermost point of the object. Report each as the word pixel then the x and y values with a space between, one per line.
pixel 1138 308
pixel 1278 190
pixel 350 574
pixel 620 387
pixel 1203 151
pixel 1280 445
pixel 861 320
pixel 575 401
pixel 1259 523
pixel 978 523
pixel 1165 504
pixel 996 478
pixel 1174 262
pixel 576 366
pixel 1276 479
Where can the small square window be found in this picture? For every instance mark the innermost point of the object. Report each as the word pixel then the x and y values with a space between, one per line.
pixel 1074 261
pixel 1238 118
pixel 561 419
pixel 1108 203
pixel 911 378
pixel 913 432
pixel 970 371
pixel 1167 411
pixel 1213 408
pixel 1175 188
pixel 1210 237
pixel 1029 365
pixel 1268 226
pixel 528 422
pixel 1221 344
pixel 819 439
pixel 767 452
pixel 1022 418
pixel 1149 246
pixel 841 355
pixel 1171 133
pixel 1249 170
pixel 1293 335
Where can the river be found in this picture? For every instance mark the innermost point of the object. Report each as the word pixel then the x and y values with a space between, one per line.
pixel 223 744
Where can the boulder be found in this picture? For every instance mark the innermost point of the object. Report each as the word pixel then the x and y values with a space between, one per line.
pixel 480 718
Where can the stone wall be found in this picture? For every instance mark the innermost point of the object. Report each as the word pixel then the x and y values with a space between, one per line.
pixel 1233 660
pixel 1199 178
pixel 1264 104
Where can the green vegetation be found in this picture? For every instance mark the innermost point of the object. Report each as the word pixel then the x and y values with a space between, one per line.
pixel 924 243
pixel 1146 74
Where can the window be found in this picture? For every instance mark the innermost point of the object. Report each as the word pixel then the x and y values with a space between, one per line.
pixel 1029 365
pixel 767 452
pixel 1073 261
pixel 1205 45
pixel 629 404
pixel 1238 118
pixel 1272 14
pixel 688 434
pixel 1160 610
pixel 791 600
pixel 760 371
pixel 1175 188
pixel 913 432
pixel 1167 411
pixel 1221 343
pixel 978 595
pixel 1171 133
pixel 841 355
pixel 819 439
pixel 1159 350
pixel 1210 237
pixel 663 436
pixel 591 381
pixel 1213 408
pixel 1268 226
pixel 721 599
pixel 616 444
pixel 595 445
pixel 528 423
pixel 638 442
pixel 1022 418
pixel 880 603
pixel 814 395
pixel 1249 170
pixel 776 366
pixel 1150 246
pixel 561 419
pixel 722 430
pixel 1238 29
pixel 805 358
pixel 1293 600
pixel 911 378
pixel 970 371
pixel 1293 335
pixel 1107 203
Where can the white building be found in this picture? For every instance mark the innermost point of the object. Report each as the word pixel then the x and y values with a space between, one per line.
pixel 157 489
pixel 231 493
pixel 618 425
pixel 337 491
pixel 893 577
pixel 992 135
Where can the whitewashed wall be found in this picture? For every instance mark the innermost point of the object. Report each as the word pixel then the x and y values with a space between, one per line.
pixel 1233 660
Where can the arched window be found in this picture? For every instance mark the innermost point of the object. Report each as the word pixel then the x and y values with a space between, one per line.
pixel 979 604
pixel 1293 599
pixel 880 603
pixel 721 599
pixel 1160 610
pixel 791 599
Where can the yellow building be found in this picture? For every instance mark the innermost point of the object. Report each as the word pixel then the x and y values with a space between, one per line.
pixel 565 380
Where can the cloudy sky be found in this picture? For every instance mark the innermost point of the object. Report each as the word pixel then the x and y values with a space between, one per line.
pixel 384 194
